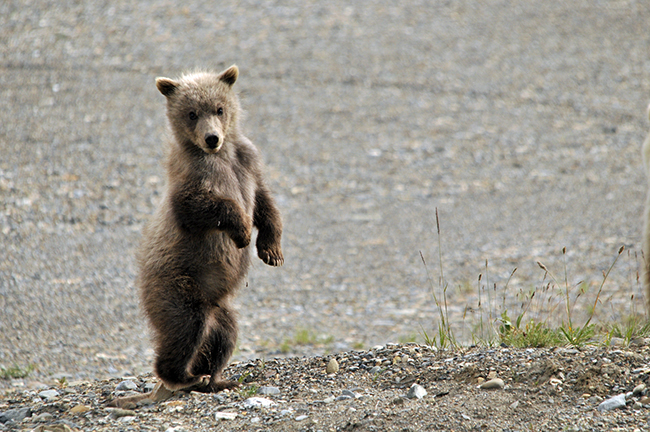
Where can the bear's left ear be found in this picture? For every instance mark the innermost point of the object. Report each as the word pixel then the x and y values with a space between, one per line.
pixel 230 75
pixel 166 86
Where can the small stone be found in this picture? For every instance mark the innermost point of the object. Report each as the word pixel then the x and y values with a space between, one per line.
pixel 257 402
pixel 612 403
pixel 301 418
pixel 126 386
pixel 127 419
pixel 329 399
pixel 256 420
pixel 221 415
pixel 416 392
pixel 638 405
pixel 16 414
pixel 641 341
pixel 79 409
pixel 343 397
pixel 493 384
pixel 638 390
pixel 645 400
pixel 43 417
pixel 49 394
pixel 492 375
pixel 118 412
pixel 332 366
pixel 480 380
pixel 595 399
pixel 350 393
pixel 375 370
pixel 268 390
pixel 617 342
pixel 514 405
pixel 398 401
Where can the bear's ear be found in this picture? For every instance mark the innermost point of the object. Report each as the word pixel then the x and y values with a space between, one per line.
pixel 166 86
pixel 230 75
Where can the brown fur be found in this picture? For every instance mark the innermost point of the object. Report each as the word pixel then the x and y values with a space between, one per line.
pixel 194 253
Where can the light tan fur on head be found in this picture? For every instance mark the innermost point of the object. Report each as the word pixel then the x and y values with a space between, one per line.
pixel 646 222
pixel 202 108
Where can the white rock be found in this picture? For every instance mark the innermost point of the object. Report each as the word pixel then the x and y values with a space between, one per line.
pixel 219 415
pixel 258 402
pixel 49 394
pixel 416 392
pixel 496 383
pixel 301 418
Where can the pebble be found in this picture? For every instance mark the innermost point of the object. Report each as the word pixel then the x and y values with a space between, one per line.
pixel 332 366
pixel 127 385
pixel 496 383
pixel 612 403
pixel 638 390
pixel 16 414
pixel 301 417
pixel 43 417
pixel 343 397
pixel 257 402
pixel 49 394
pixel 514 405
pixel 416 392
pixel 349 393
pixel 79 409
pixel 116 413
pixel 375 370
pixel 268 390
pixel 645 400
pixel 221 415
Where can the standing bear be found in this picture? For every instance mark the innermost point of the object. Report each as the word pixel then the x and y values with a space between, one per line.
pixel 194 253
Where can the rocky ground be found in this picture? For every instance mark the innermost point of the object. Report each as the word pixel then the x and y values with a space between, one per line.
pixel 519 122
pixel 390 388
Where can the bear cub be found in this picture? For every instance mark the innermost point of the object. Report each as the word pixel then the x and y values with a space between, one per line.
pixel 194 253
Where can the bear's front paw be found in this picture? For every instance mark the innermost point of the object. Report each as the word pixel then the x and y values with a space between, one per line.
pixel 242 237
pixel 271 255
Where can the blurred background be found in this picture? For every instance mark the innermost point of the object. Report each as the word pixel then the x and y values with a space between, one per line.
pixel 521 122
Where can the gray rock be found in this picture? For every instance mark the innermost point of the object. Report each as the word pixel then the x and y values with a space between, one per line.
pixel 268 390
pixel 638 390
pixel 343 397
pixel 349 393
pixel 416 392
pixel 612 403
pixel 375 370
pixel 127 385
pixel 493 384
pixel 17 415
pixel 49 394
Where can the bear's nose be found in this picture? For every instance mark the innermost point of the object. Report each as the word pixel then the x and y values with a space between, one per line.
pixel 212 141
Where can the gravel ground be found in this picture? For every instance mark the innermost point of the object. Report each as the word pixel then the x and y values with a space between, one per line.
pixel 520 122
pixel 538 390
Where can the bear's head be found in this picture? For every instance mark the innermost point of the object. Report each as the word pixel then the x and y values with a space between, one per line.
pixel 202 108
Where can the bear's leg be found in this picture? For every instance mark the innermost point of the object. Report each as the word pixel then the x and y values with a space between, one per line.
pixel 218 345
pixel 179 344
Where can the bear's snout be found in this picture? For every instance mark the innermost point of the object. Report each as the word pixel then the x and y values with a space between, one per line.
pixel 212 141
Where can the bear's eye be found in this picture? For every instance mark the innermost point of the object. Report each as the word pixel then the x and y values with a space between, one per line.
pixel 193 115
pixel 219 111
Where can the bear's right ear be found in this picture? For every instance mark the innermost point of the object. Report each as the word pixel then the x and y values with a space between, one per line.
pixel 166 86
